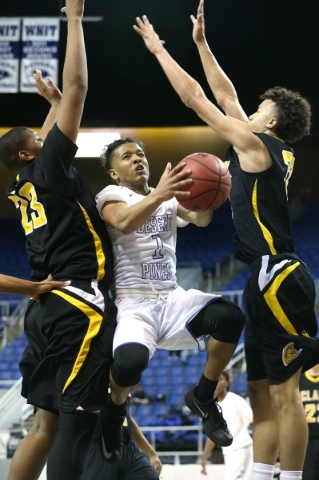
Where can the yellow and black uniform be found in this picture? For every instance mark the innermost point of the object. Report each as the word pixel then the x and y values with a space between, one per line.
pixel 309 391
pixel 279 296
pixel 73 327
pixel 133 464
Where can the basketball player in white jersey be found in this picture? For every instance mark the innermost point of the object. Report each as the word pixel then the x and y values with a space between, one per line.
pixel 153 311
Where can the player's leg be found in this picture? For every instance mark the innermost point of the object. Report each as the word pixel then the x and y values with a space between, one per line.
pixel 130 360
pixel 292 425
pixel 78 356
pixel 138 465
pixel 134 338
pixel 281 309
pixel 223 321
pixel 32 453
pixel 69 451
pixel 265 427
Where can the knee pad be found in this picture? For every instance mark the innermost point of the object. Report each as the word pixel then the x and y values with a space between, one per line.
pixel 130 360
pixel 222 319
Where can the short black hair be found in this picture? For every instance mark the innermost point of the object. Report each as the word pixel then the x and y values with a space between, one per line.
pixel 107 153
pixel 11 143
pixel 294 113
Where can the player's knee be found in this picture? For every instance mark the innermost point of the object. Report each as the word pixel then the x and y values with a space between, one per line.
pixel 230 323
pixel 129 362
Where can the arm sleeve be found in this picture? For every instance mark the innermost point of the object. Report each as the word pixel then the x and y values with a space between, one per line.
pixel 111 193
pixel 57 154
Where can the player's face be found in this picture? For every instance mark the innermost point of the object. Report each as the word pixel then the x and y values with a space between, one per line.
pixel 264 118
pixel 130 166
pixel 33 143
pixel 222 385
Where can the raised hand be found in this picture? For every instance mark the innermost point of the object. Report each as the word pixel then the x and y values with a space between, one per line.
pixel 73 8
pixel 145 29
pixel 173 182
pixel 47 89
pixel 199 24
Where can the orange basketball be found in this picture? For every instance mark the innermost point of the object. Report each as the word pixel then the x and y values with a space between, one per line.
pixel 211 182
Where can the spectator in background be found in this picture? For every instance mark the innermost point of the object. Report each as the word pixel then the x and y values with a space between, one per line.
pixel 309 391
pixel 238 457
pixel 138 396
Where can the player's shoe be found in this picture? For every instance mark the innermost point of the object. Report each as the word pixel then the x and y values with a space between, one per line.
pixel 210 412
pixel 111 439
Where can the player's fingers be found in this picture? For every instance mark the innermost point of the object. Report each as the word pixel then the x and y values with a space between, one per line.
pixel 193 19
pixel 184 183
pixel 139 22
pixel 146 21
pixel 137 29
pixel 180 195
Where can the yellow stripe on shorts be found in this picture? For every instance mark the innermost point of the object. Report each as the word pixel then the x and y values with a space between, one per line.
pixel 273 303
pixel 93 329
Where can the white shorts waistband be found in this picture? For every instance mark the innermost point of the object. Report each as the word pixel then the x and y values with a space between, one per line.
pixel 133 292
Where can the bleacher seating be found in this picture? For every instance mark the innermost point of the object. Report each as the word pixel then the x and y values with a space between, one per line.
pixel 207 245
pixel 13 258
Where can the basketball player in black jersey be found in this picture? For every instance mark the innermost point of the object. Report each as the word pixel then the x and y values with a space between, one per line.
pixel 309 391
pixel 138 461
pixel 279 296
pixel 65 236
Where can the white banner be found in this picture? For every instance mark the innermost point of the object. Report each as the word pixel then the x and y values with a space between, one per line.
pixel 40 48
pixel 9 54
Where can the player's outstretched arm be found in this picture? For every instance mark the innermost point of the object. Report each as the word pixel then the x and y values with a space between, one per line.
pixel 221 86
pixel 232 130
pixel 18 286
pixel 75 78
pixel 145 446
pixel 52 94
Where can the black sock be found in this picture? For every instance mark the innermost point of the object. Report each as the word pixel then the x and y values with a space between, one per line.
pixel 205 389
pixel 118 410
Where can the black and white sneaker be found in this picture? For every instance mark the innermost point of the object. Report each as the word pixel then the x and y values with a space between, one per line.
pixel 111 439
pixel 210 412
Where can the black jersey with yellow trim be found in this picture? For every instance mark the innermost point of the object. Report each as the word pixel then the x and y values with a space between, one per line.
pixel 65 235
pixel 309 391
pixel 260 204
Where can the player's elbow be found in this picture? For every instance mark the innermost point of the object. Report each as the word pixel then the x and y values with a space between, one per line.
pixel 76 81
pixel 191 97
pixel 126 228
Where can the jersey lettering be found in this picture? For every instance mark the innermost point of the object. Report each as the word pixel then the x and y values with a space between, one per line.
pixel 155 224
pixel 27 201
pixel 156 271
pixel 311 412
pixel 289 160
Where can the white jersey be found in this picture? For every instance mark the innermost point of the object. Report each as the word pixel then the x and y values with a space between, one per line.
pixel 144 259
pixel 238 415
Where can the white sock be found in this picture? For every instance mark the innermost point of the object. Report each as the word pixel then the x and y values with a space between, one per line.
pixel 288 475
pixel 261 471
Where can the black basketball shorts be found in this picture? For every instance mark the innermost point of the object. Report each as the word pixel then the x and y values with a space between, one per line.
pixel 69 353
pixel 281 323
pixel 133 465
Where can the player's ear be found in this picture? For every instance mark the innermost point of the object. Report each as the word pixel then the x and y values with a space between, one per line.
pixel 272 123
pixel 113 174
pixel 26 156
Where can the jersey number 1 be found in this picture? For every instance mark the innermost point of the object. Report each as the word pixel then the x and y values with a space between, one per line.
pixel 27 200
